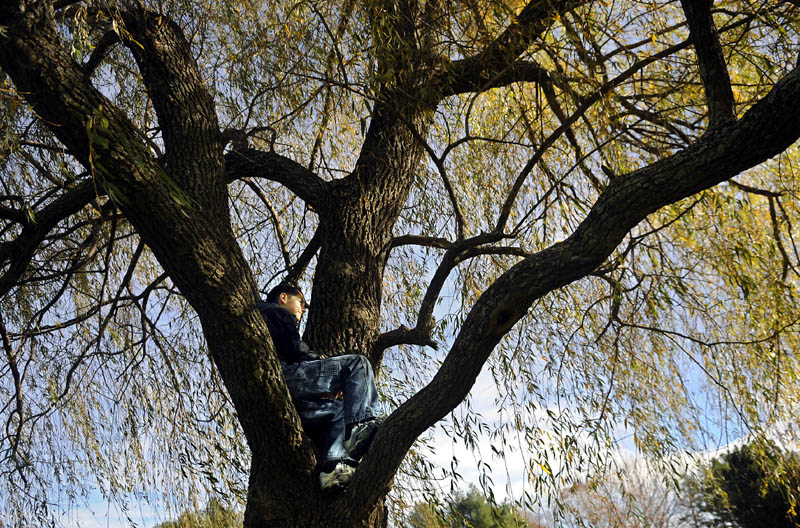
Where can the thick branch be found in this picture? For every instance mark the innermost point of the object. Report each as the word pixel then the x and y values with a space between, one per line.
pixel 297 269
pixel 253 163
pixel 421 240
pixel 107 41
pixel 767 129
pixel 406 336
pixel 14 215
pixel 470 76
pixel 713 71
pixel 497 65
pixel 186 111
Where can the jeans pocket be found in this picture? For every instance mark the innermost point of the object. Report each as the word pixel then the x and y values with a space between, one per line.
pixel 329 369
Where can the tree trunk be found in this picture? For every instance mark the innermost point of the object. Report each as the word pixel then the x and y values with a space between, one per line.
pixel 179 207
pixel 304 508
pixel 356 221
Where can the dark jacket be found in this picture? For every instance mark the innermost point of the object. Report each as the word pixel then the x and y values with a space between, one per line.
pixel 285 335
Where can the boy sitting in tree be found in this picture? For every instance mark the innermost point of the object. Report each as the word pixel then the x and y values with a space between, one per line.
pixel 335 396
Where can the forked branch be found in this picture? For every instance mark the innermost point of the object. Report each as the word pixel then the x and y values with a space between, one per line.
pixel 498 64
pixel 21 249
pixel 457 252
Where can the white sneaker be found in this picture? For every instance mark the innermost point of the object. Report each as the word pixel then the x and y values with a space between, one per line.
pixel 339 477
pixel 360 437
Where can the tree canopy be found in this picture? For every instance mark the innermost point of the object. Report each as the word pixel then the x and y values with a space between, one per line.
pixel 593 201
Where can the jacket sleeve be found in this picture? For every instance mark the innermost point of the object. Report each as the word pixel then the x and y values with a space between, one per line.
pixel 283 330
pixel 306 352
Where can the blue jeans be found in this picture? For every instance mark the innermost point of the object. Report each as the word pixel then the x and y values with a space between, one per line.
pixel 323 421
pixel 327 419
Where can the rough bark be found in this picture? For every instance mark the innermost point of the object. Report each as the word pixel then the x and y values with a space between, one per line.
pixel 358 215
pixel 356 223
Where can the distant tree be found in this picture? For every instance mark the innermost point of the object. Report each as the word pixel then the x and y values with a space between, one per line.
pixel 469 510
pixel 634 496
pixel 754 486
pixel 695 512
pixel 215 515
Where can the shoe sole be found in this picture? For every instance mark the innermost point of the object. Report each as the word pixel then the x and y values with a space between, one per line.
pixel 339 482
pixel 339 486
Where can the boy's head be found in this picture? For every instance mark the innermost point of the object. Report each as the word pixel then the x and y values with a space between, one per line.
pixel 288 297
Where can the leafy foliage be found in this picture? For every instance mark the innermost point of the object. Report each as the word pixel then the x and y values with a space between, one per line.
pixel 755 485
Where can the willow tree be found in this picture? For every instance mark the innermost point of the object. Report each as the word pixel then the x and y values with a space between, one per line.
pixel 533 186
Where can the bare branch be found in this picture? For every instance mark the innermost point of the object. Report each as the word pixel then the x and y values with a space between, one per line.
pixel 773 198
pixel 23 247
pixel 274 217
pixel 776 234
pixel 754 190
pixel 655 119
pixel 79 259
pixel 439 162
pixel 713 71
pixel 456 253
pixel 123 284
pixel 43 146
